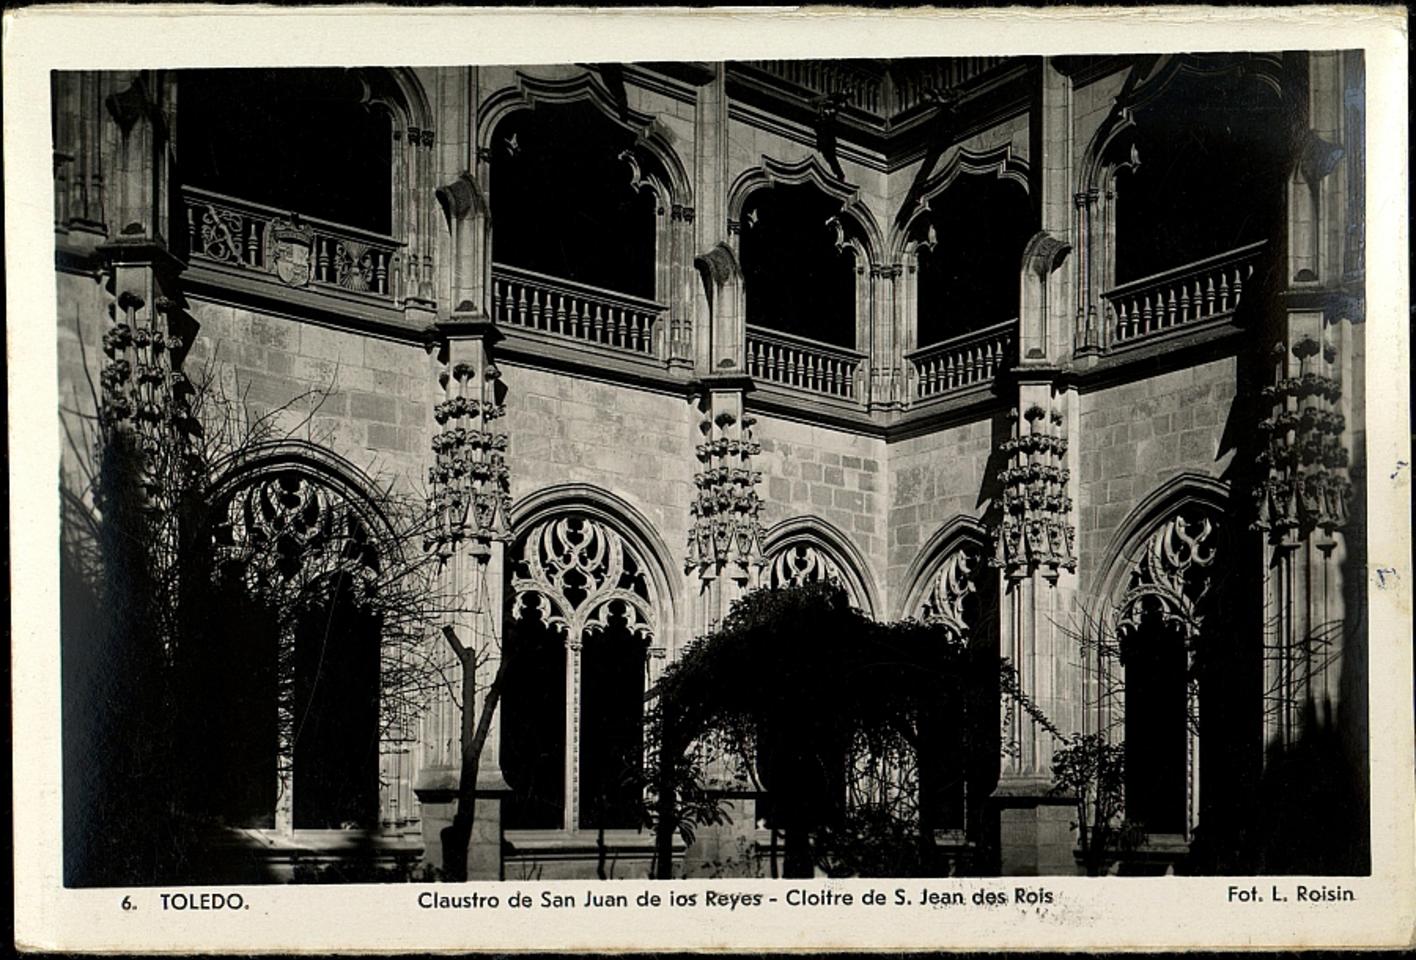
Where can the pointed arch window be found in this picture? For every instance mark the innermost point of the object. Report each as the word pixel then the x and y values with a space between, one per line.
pixel 294 730
pixel 316 178
pixel 1205 172
pixel 961 596
pixel 581 629
pixel 1163 622
pixel 313 140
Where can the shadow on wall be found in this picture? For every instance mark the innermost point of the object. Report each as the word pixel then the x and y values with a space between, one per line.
pixel 1307 816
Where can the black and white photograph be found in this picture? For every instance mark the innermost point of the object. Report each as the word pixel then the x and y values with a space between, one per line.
pixel 947 472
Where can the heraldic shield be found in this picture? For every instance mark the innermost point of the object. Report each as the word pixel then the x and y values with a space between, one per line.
pixel 291 246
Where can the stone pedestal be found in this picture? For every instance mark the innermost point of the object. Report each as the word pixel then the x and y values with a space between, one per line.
pixel 1035 833
pixel 436 788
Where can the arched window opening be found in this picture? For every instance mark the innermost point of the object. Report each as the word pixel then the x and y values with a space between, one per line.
pixel 959 738
pixel 967 278
pixel 574 199
pixel 1212 159
pixel 1169 625
pixel 306 140
pixel 285 672
pixel 1155 659
pixel 799 276
pixel 234 737
pixel 580 621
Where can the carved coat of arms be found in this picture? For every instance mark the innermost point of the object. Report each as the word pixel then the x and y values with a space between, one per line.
pixel 291 247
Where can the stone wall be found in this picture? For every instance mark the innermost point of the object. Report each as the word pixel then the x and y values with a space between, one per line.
pixel 934 478
pixel 365 398
pixel 1135 436
pixel 836 476
pixel 633 443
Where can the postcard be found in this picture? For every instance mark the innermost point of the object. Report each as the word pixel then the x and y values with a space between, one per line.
pixel 709 479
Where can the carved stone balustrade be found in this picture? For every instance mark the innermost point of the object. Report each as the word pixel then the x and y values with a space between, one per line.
pixel 803 364
pixel 965 361
pixel 1199 292
pixel 296 250
pixel 577 311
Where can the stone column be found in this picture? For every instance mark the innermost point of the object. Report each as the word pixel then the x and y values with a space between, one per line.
pixel 1034 541
pixel 471 502
pixel 1309 428
pixel 887 352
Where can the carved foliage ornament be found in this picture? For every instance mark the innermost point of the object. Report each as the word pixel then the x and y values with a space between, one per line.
pixel 578 574
pixel 1303 463
pixel 950 590
pixel 469 480
pixel 1035 531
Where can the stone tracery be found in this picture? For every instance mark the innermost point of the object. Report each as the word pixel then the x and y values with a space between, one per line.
pixel 579 574
pixel 950 589
pixel 1172 576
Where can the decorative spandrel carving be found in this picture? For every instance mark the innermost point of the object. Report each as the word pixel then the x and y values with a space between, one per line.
pixel 726 530
pixel 1172 576
pixel 1035 531
pixel 577 574
pixel 950 591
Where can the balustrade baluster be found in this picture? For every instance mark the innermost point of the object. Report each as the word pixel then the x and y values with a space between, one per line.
pixel 620 340
pixel 1239 275
pixel 191 231
pixel 1224 291
pixel 249 227
pixel 322 260
pixel 381 272
pixel 521 305
pixel 559 316
pixel 1209 295
pixel 536 309
pixel 497 300
pixel 597 325
pixel 1170 309
pixel 577 321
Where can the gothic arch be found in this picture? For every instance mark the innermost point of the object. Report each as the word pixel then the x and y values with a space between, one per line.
pixel 955 537
pixel 1159 577
pixel 1190 489
pixel 1109 146
pixel 616 515
pixel 530 92
pixel 311 464
pixel 999 161
pixel 866 239
pixel 810 548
